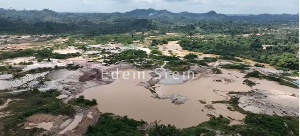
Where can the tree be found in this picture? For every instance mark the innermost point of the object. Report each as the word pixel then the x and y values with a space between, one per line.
pixel 190 56
pixel 256 44
pixel 191 33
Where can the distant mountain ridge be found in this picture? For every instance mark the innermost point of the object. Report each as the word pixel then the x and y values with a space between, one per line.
pixel 152 12
pixel 139 19
pixel 161 16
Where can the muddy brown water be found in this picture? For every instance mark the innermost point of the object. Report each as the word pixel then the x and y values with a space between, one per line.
pixel 124 97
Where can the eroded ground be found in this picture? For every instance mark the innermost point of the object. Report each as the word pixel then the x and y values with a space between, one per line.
pixel 182 102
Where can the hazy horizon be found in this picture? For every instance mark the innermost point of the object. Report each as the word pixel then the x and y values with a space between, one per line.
pixel 176 6
pixel 147 9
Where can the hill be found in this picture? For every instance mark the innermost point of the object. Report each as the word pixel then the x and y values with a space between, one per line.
pixel 48 21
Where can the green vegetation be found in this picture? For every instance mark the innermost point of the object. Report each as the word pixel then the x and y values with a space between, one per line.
pixel 15 54
pixel 208 128
pixel 48 53
pixel 283 54
pixel 26 63
pixel 39 54
pixel 109 125
pixel 155 52
pixel 234 101
pixel 198 62
pixel 255 74
pixel 210 59
pixel 216 71
pixel 266 125
pixel 190 56
pixel 48 21
pixel 3 68
pixel 258 65
pixel 162 130
pixel 80 101
pixel 33 71
pixel 255 124
pixel 17 73
pixel 60 23
pixel 272 77
pixel 177 65
pixel 29 103
pixel 174 63
pixel 156 42
pixel 9 69
pixel 249 82
pixel 138 58
pixel 235 66
pixel 72 67
pixel 2 101
pixel 231 37
pixel 157 55
pixel 115 38
pixel 128 56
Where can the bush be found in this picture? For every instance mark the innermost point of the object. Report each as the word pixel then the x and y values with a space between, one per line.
pixel 249 82
pixel 258 65
pixel 163 130
pixel 269 125
pixel 210 59
pixel 255 74
pixel 235 66
pixel 178 65
pixel 156 42
pixel 73 67
pixel 3 68
pixel 116 38
pixel 198 62
pixel 128 56
pixel 216 71
pixel 80 101
pixel 190 56
pixel 110 125
pixel 15 54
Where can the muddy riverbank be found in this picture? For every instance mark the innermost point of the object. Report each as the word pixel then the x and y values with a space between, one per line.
pixel 124 97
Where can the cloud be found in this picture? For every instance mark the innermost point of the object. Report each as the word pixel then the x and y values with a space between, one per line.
pixel 187 1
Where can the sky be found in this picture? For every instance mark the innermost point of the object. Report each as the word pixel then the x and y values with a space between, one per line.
pixel 196 6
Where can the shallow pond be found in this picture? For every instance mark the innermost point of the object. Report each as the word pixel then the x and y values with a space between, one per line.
pixel 124 97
